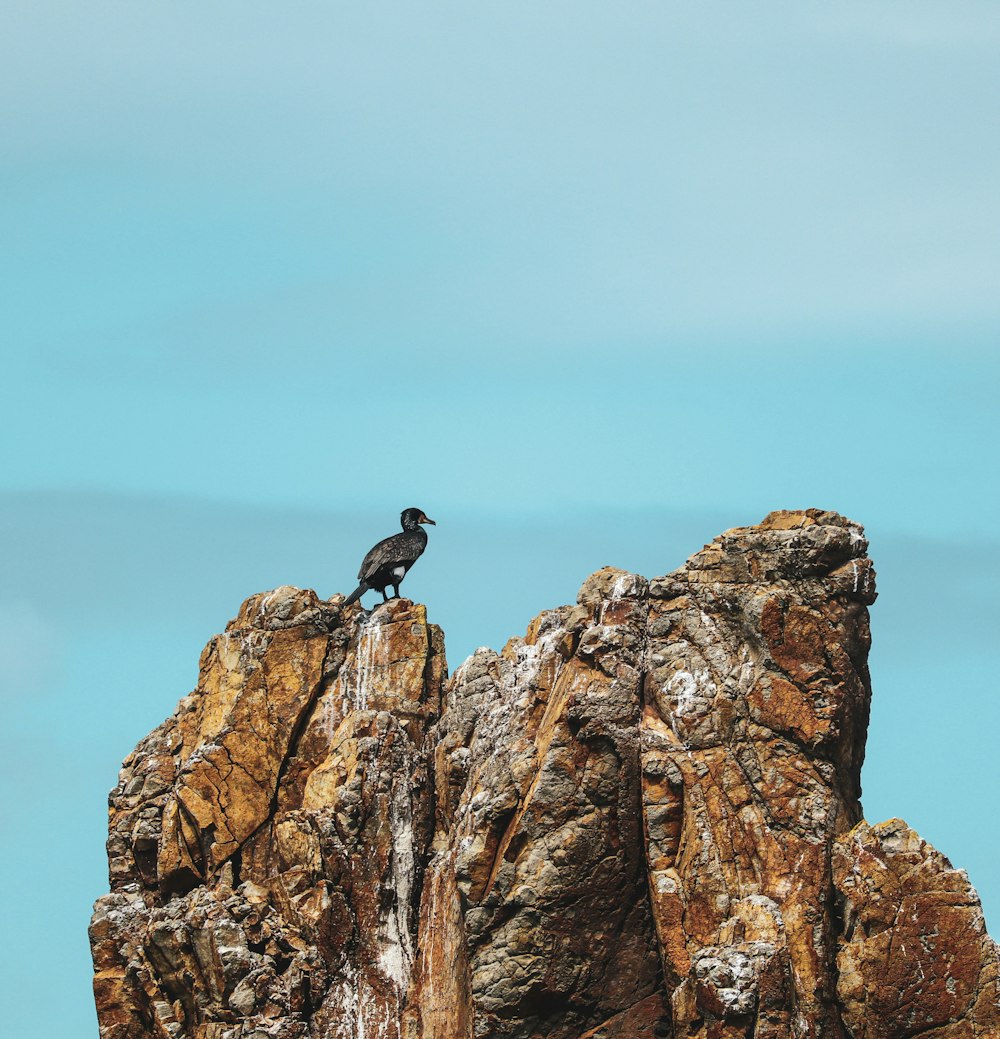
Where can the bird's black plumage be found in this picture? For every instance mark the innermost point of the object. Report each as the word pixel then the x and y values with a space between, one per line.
pixel 387 563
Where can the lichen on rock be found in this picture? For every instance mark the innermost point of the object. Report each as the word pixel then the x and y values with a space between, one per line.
pixel 642 819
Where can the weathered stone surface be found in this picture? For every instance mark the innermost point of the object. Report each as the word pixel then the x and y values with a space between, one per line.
pixel 640 820
pixel 757 700
pixel 913 955
pixel 546 835
pixel 268 841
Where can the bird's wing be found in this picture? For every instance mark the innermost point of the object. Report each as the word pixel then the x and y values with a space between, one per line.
pixel 400 548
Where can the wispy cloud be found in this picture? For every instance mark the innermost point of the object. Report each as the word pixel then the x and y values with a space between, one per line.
pixel 31 648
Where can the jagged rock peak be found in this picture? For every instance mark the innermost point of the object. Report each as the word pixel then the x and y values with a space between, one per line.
pixel 641 819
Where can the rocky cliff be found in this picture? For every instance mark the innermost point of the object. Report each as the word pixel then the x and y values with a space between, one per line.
pixel 641 819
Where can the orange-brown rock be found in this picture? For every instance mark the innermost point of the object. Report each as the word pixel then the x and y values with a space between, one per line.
pixel 913 954
pixel 640 820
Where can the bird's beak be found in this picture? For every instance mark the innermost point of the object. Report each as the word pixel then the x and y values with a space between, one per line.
pixel 424 519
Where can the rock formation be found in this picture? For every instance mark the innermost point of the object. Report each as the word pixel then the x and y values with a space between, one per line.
pixel 640 820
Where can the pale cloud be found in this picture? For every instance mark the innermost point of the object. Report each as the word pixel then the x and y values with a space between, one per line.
pixel 927 26
pixel 30 651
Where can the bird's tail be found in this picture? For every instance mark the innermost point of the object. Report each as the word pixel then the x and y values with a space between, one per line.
pixel 356 594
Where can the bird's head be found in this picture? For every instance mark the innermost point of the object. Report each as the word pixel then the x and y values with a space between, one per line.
pixel 412 518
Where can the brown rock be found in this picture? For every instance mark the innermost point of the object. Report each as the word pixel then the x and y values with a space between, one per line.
pixel 640 820
pixel 914 954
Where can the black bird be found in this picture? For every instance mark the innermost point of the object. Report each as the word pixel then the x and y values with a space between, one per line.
pixel 386 564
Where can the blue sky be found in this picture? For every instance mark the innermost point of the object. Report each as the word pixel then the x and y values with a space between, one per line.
pixel 588 283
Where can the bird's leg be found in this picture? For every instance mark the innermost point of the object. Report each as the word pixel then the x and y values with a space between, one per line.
pixel 395 591
pixel 385 598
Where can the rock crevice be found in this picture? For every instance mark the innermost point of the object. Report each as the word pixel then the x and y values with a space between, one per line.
pixel 642 819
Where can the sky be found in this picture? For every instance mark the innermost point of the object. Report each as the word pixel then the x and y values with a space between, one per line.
pixel 588 283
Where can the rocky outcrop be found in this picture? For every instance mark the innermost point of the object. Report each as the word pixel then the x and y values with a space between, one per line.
pixel 913 956
pixel 640 820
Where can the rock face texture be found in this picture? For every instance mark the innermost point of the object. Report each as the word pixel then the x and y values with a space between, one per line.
pixel 640 820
